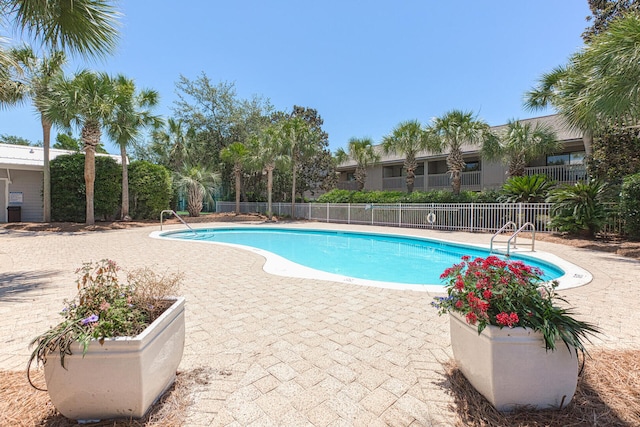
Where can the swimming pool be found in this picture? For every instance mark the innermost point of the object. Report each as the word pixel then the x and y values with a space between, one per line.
pixel 386 260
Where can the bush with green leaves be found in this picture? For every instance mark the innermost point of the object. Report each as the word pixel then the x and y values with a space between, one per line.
pixel 68 198
pixel 526 189
pixel 630 205
pixel 434 196
pixel 578 208
pixel 149 190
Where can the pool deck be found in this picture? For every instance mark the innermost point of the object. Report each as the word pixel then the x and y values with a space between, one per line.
pixel 289 351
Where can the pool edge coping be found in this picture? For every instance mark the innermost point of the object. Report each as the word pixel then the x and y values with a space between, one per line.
pixel 574 276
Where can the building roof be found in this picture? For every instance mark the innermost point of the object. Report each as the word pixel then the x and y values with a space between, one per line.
pixel 29 157
pixel 555 121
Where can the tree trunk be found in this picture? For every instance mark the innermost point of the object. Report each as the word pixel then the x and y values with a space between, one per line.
pixel 456 165
pixel 46 184
pixel 293 191
pixel 238 188
pixel 361 177
pixel 90 138
pixel 124 215
pixel 269 191
pixel 89 181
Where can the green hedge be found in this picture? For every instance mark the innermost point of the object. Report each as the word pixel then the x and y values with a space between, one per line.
pixel 630 205
pixel 68 199
pixel 149 190
pixel 439 196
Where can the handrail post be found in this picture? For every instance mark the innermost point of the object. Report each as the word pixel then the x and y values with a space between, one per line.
pixel 177 216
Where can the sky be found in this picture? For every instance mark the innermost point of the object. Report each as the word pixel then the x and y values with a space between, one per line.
pixel 365 66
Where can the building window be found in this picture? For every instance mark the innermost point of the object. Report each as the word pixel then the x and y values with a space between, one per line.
pixel 398 171
pixel 575 158
pixel 351 176
pixel 472 166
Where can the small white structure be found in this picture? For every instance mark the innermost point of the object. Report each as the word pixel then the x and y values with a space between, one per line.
pixel 21 178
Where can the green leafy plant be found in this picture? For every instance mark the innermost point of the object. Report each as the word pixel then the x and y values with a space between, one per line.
pixel 503 293
pixel 579 208
pixel 630 205
pixel 526 189
pixel 106 307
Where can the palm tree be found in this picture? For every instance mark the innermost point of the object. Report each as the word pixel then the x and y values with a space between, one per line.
pixel 198 182
pixel 301 141
pixel 86 27
pixel 450 132
pixel 86 101
pixel 130 115
pixel 172 146
pixel 363 152
pixel 33 79
pixel 600 85
pixel 408 139
pixel 519 144
pixel 236 154
pixel 268 153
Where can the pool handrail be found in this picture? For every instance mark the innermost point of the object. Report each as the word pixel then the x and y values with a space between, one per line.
pixel 171 211
pixel 514 236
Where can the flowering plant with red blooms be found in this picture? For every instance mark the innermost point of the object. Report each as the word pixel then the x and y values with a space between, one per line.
pixel 493 291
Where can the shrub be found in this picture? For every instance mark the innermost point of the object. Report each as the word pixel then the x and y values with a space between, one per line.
pixel 68 198
pixel 149 190
pixel 526 189
pixel 434 196
pixel 578 208
pixel 630 205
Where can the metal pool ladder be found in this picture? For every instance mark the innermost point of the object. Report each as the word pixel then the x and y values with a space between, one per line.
pixel 172 212
pixel 514 236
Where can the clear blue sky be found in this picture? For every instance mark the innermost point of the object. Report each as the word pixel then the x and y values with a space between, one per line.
pixel 364 65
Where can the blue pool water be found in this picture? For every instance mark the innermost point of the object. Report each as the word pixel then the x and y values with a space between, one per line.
pixel 377 257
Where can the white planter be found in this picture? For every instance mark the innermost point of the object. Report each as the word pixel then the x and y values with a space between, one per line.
pixel 121 378
pixel 511 367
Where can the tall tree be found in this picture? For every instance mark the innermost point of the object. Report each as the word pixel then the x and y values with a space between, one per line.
pixel 33 79
pixel 600 85
pixel 86 27
pixel 172 144
pixel 519 144
pixel 237 155
pixel 408 138
pixel 268 152
pixel 605 11
pixel 87 102
pixel 14 140
pixel 362 151
pixel 301 142
pixel 132 113
pixel 450 132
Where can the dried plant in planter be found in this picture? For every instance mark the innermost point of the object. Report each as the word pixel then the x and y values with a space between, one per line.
pixel 106 307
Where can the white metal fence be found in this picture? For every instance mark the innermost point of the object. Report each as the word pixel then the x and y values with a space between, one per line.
pixel 446 216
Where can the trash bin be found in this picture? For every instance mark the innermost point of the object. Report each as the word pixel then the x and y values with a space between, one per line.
pixel 14 214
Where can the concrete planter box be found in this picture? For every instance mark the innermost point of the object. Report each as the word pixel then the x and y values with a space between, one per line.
pixel 511 367
pixel 121 378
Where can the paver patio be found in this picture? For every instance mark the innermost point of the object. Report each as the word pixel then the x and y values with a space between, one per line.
pixel 285 351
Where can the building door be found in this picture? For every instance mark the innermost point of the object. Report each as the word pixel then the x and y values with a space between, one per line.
pixel 4 194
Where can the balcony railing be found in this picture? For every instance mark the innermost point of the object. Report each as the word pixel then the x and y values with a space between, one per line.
pixel 400 183
pixel 470 180
pixel 348 185
pixel 565 174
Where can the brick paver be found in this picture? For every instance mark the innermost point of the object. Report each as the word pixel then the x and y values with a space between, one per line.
pixel 285 351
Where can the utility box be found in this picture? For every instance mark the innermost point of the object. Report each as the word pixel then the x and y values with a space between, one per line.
pixel 14 214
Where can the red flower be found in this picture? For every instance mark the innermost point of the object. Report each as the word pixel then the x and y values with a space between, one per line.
pixel 472 318
pixel 459 304
pixel 487 294
pixel 505 319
